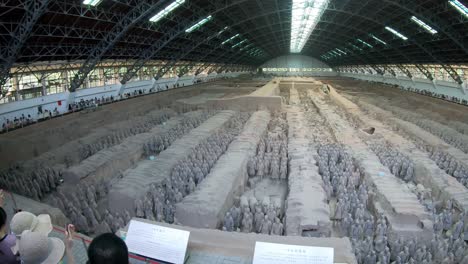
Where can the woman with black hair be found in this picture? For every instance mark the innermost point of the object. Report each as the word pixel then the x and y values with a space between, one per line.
pixel 108 249
pixel 7 241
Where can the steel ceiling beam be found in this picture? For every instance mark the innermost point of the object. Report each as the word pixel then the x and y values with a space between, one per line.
pixel 431 15
pixel 33 11
pixel 139 12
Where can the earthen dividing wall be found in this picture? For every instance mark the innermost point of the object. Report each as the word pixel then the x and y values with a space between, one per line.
pixel 443 186
pixel 135 182
pixel 108 162
pixel 393 198
pixel 206 206
pixel 266 97
pixel 307 206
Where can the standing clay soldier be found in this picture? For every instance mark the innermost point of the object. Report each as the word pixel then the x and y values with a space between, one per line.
pixel 284 169
pixel 265 204
pixel 90 216
pixel 266 164
pixel 260 168
pixel 148 208
pixel 34 194
pixel 447 219
pixel 251 167
pixel 82 223
pixel 457 229
pixel 338 211
pixel 247 223
pixel 159 208
pixel 94 206
pixel 258 219
pixel 128 216
pixel 103 227
pixel 236 215
pixel 139 208
pixel 169 212
pixel 178 197
pixel 277 227
pixel 274 169
pixel 228 222
pixel 90 194
pixel 253 203
pixel 191 185
pixel 266 226
pixel 271 214
pixel 409 173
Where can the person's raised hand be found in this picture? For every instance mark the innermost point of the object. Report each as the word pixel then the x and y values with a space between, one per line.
pixel 2 198
pixel 69 234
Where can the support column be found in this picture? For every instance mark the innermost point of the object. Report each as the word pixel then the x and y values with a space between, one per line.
pixel 176 80
pixel 67 82
pixel 102 76
pixel 15 86
pixel 44 86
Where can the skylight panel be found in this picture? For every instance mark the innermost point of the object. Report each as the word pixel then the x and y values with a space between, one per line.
pixel 92 2
pixel 199 24
pixel 460 7
pixel 365 43
pixel 424 25
pixel 171 7
pixel 379 40
pixel 305 16
pixel 396 33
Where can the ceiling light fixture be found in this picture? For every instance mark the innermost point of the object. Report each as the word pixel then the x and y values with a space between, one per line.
pixel 92 2
pixel 305 16
pixel 167 10
pixel 233 37
pixel 460 7
pixel 424 25
pixel 396 33
pixel 341 51
pixel 354 46
pixel 222 31
pixel 245 47
pixel 240 43
pixel 365 43
pixel 199 24
pixel 379 40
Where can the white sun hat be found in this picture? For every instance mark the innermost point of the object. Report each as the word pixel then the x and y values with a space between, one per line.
pixel 22 221
pixel 37 248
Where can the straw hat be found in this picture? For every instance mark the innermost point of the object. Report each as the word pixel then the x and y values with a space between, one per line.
pixel 37 248
pixel 22 221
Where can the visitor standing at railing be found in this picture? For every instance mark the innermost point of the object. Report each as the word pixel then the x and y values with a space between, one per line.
pixel 7 241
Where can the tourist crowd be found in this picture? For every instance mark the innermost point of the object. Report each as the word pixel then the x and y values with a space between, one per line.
pixel 26 240
pixel 436 95
pixel 89 104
